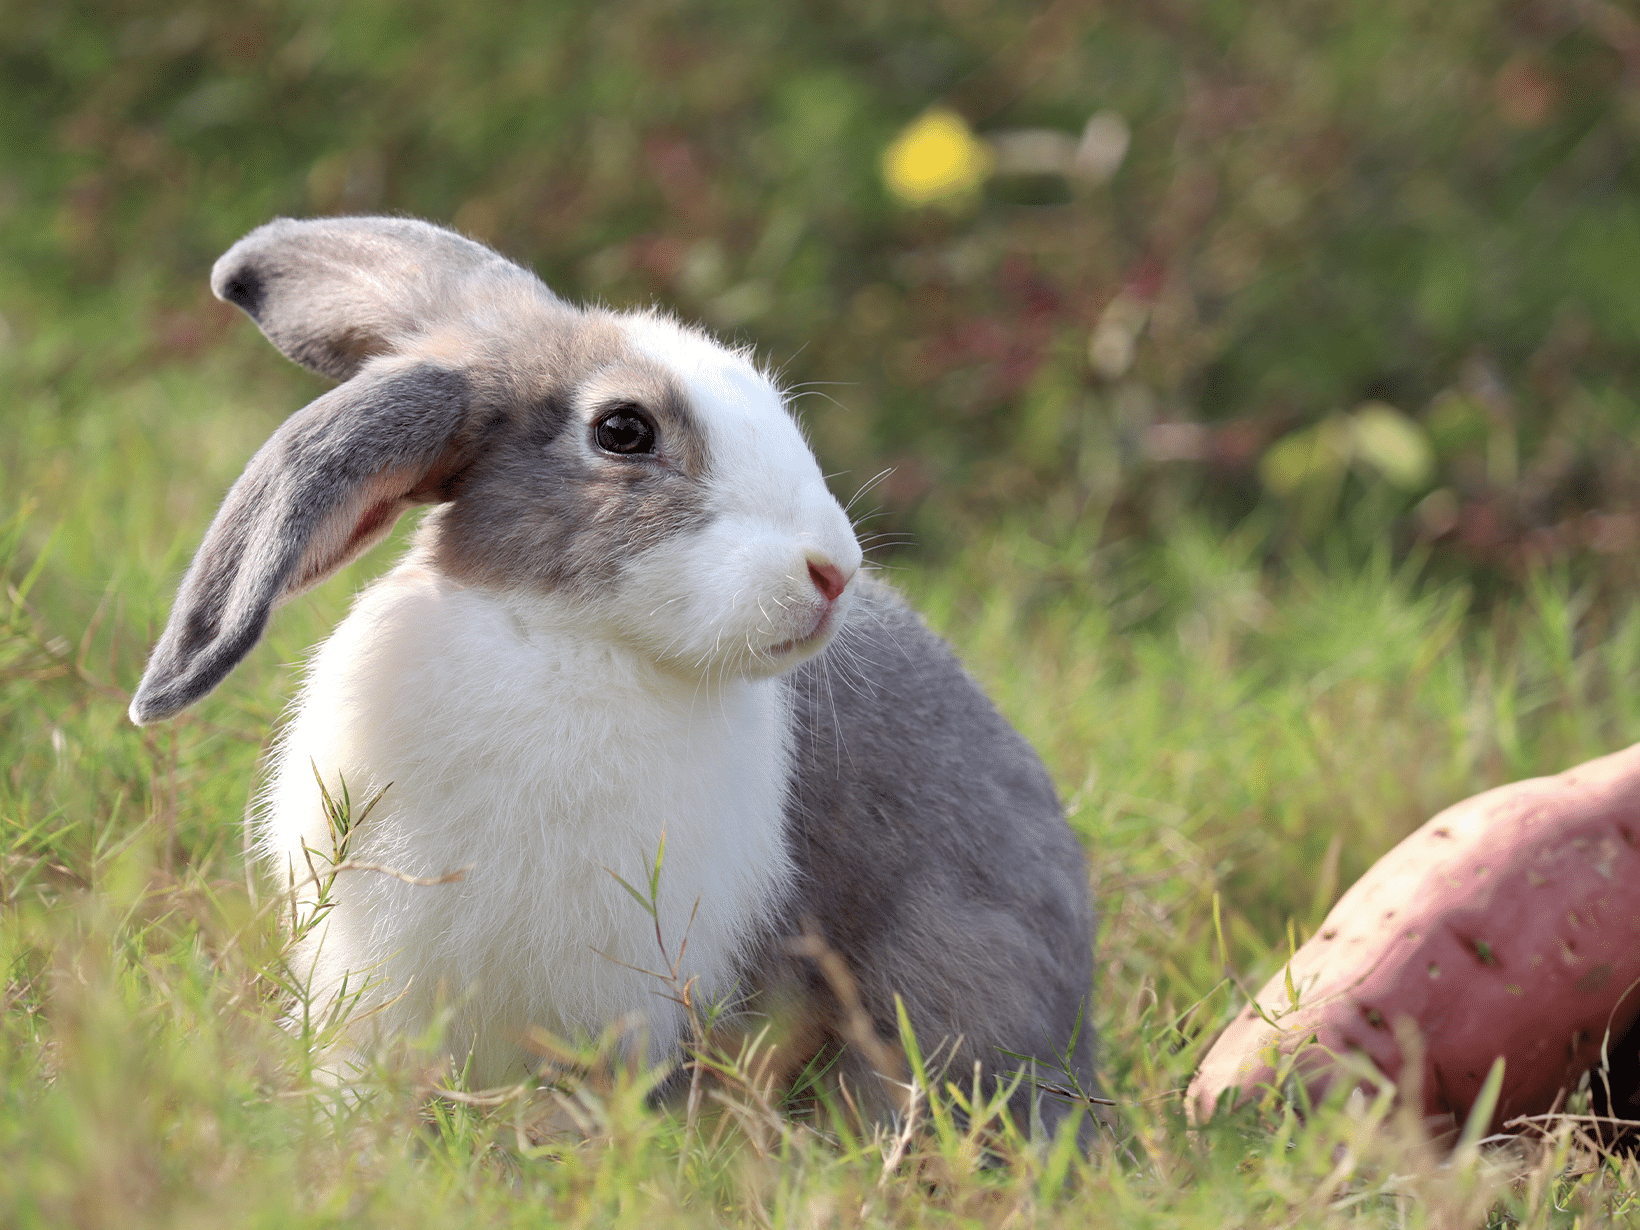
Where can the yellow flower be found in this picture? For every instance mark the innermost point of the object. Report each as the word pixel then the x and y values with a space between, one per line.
pixel 934 157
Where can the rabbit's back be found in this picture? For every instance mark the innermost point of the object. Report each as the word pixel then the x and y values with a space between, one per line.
pixel 932 852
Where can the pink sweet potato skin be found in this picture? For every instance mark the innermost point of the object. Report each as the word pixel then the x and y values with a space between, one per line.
pixel 1507 925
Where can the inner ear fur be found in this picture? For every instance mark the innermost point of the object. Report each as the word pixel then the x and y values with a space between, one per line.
pixel 326 486
pixel 332 293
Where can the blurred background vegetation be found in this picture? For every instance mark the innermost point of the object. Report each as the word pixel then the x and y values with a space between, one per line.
pixel 1355 269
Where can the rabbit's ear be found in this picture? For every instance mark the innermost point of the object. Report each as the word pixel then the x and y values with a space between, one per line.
pixel 333 292
pixel 327 485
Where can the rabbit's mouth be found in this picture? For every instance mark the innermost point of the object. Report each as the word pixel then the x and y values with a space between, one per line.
pixel 800 648
pixel 816 636
pixel 801 642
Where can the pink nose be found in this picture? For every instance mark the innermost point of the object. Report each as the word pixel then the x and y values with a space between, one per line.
pixel 828 579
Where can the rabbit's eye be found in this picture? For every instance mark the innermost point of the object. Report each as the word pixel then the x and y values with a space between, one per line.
pixel 625 429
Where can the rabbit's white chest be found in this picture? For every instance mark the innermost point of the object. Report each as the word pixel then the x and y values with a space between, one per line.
pixel 548 763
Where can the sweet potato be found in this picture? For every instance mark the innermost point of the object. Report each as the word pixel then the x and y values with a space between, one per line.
pixel 1507 925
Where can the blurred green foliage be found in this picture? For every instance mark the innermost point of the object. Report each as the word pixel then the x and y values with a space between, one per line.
pixel 1409 226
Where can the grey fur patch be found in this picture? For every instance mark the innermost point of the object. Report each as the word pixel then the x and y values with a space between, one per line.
pixel 334 292
pixel 325 487
pixel 931 845
pixel 243 287
pixel 544 509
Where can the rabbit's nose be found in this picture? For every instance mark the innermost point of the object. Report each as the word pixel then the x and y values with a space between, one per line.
pixel 828 579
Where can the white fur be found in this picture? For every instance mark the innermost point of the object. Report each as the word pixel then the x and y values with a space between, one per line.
pixel 545 778
pixel 742 582
pixel 547 742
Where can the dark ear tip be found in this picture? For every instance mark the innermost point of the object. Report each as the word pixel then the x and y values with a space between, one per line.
pixel 242 286
pixel 145 710
pixel 160 698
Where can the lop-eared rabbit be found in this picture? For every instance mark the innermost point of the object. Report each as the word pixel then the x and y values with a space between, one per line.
pixel 633 613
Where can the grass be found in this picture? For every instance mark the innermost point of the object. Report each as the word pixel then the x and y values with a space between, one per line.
pixel 1231 736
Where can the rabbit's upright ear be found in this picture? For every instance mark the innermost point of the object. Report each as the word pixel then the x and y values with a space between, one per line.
pixel 333 292
pixel 383 304
pixel 328 484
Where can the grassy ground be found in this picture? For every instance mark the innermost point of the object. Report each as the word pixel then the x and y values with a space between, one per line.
pixel 1221 729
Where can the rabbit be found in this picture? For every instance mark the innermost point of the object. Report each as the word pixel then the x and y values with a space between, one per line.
pixel 633 615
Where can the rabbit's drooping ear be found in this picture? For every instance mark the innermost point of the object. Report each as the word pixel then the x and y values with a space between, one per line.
pixel 327 485
pixel 333 292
